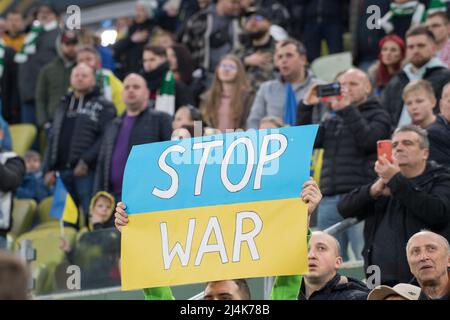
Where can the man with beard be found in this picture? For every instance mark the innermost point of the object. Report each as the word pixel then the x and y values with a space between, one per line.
pixel 257 52
pixel 423 65
pixel 166 93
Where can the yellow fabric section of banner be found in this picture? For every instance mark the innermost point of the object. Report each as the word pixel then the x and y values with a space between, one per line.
pixel 264 238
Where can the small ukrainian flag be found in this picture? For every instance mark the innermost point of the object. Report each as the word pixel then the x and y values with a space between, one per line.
pixel 63 206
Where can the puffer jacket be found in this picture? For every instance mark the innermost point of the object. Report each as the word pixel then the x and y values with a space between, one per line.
pixel 349 139
pixel 94 113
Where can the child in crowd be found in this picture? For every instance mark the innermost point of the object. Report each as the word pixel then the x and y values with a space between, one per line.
pixel 33 186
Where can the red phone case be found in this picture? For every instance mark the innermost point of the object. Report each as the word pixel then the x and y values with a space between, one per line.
pixel 384 147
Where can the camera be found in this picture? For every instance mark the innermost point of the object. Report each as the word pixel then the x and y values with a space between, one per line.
pixel 329 90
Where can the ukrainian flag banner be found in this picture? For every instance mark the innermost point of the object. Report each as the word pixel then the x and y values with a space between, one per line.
pixel 63 207
pixel 217 207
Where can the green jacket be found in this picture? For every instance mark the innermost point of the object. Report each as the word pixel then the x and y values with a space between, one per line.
pixel 52 84
pixel 284 288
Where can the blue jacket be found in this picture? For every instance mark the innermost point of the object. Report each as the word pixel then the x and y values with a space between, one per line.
pixel 33 187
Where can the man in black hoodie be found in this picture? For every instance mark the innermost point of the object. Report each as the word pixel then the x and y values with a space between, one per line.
pixel 410 194
pixel 74 142
pixel 348 135
pixel 323 282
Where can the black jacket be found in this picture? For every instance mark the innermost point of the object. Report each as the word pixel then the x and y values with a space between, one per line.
pixel 419 203
pixel 11 176
pixel 338 288
pixel 392 100
pixel 9 88
pixel 93 113
pixel 439 136
pixel 150 126
pixel 349 138
pixel 128 53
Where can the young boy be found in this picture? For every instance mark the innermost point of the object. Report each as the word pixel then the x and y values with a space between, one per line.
pixel 33 186
pixel 420 101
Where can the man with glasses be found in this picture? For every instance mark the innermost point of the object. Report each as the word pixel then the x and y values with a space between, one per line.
pixel 410 194
pixel 259 46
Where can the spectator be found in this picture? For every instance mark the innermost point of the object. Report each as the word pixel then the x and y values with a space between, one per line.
pixel 429 259
pixel 439 131
pixel 163 38
pixel 166 93
pixel 185 115
pixel 279 97
pixel 89 38
pixel 212 33
pixel 9 92
pixel 403 15
pixel 110 87
pixel 348 136
pixel 278 13
pixel 74 143
pixel 401 291
pixel 438 23
pixel 53 81
pixel 180 62
pixel 12 170
pixel 128 51
pixel 419 99
pixel 420 44
pixel 257 53
pixel 5 136
pixel 323 20
pixel 139 124
pixel 226 105
pixel 365 38
pixel 14 277
pixel 271 123
pixel 33 186
pixel 227 290
pixel 392 53
pixel 410 194
pixel 323 282
pixel 37 51
pixel 15 36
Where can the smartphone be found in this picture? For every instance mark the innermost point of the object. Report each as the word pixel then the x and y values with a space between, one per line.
pixel 384 147
pixel 329 90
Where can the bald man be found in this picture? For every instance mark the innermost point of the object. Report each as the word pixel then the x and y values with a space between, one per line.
pixel 349 138
pixel 428 256
pixel 139 124
pixel 323 282
pixel 78 125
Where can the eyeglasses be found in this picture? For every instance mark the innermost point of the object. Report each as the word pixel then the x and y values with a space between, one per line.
pixel 227 67
pixel 256 17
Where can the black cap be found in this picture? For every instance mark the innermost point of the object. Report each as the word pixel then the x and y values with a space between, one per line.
pixel 258 11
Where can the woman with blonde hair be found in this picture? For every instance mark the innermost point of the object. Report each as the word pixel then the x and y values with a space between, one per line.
pixel 226 105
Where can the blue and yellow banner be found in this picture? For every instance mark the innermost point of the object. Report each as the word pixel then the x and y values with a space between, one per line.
pixel 63 206
pixel 216 207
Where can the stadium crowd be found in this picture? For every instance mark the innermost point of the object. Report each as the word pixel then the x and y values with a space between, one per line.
pixel 185 68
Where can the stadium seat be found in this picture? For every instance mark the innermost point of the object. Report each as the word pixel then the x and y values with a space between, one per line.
pixel 326 68
pixel 46 242
pixel 22 136
pixel 44 210
pixel 23 214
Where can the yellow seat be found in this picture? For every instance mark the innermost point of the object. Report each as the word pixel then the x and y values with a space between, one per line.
pixel 22 136
pixel 43 210
pixel 46 242
pixel 326 68
pixel 23 214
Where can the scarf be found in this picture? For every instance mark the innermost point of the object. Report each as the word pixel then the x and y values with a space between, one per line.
pixel 163 80
pixel 103 81
pixel 290 105
pixel 437 6
pixel 29 46
pixel 411 8
pixel 2 57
